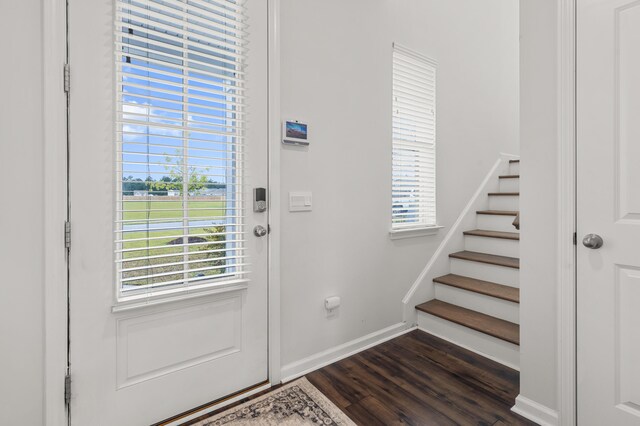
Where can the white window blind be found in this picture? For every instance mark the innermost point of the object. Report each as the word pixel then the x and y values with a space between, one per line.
pixel 414 141
pixel 179 120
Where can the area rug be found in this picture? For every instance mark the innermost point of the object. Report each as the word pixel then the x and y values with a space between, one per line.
pixel 295 404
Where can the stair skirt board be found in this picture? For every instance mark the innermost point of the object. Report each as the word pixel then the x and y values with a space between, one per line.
pixel 488 305
pixel 496 223
pixel 488 346
pixel 497 246
pixel 504 202
pixel 510 185
pixel 484 271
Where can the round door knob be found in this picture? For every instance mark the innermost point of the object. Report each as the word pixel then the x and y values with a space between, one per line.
pixel 259 231
pixel 592 241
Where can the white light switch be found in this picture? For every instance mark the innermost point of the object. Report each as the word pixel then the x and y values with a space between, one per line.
pixel 300 201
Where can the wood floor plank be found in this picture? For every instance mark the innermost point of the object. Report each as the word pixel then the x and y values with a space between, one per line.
pixel 419 379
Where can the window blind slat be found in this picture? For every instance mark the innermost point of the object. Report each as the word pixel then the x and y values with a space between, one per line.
pixel 180 115
pixel 413 189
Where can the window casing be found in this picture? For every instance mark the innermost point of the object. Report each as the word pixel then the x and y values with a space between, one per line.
pixel 413 183
pixel 179 144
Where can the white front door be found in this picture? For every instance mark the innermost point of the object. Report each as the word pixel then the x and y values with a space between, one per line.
pixel 608 181
pixel 168 138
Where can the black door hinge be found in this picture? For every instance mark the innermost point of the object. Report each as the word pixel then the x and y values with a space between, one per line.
pixel 575 238
pixel 67 390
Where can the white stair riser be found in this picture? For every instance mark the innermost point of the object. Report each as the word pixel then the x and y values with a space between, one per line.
pixel 488 305
pixel 493 222
pixel 499 246
pixel 504 202
pixel 510 185
pixel 488 346
pixel 486 272
pixel 514 168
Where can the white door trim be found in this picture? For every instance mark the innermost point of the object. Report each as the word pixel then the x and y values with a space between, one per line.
pixel 566 215
pixel 54 42
pixel 55 202
pixel 273 275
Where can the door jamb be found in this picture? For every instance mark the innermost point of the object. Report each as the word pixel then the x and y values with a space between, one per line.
pixel 54 41
pixel 566 272
pixel 273 275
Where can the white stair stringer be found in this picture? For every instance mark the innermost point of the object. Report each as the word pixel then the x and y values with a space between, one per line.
pixel 488 346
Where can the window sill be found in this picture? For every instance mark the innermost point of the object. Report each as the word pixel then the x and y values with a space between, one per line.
pixel 145 300
pixel 397 234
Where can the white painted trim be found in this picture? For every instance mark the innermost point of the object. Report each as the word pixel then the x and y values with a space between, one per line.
pixel 535 412
pixel 55 206
pixel 398 234
pixel 311 363
pixel 222 404
pixel 566 215
pixel 453 240
pixel 469 348
pixel 274 191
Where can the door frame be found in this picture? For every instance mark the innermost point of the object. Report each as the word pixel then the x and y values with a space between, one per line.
pixel 54 21
pixel 566 215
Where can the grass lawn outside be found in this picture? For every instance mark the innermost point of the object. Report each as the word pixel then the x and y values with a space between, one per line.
pixel 159 247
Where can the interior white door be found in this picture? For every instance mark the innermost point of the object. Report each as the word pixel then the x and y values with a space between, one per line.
pixel 168 138
pixel 608 204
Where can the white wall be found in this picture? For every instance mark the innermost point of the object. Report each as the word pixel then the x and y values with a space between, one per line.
pixel 538 201
pixel 21 215
pixel 336 73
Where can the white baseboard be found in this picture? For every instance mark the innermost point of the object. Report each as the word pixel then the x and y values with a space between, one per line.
pixel 306 365
pixel 535 412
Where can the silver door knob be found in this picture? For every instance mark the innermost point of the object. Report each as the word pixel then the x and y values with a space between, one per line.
pixel 592 241
pixel 259 231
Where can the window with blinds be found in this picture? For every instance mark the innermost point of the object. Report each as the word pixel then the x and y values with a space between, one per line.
pixel 413 183
pixel 179 120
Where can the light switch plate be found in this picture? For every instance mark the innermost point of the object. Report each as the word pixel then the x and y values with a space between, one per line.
pixel 300 201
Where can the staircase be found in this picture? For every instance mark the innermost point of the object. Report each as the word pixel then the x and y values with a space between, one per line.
pixel 476 305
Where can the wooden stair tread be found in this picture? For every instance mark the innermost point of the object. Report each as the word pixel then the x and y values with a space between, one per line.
pixel 486 324
pixel 514 161
pixel 498 212
pixel 492 259
pixel 487 288
pixel 509 177
pixel 504 193
pixel 493 234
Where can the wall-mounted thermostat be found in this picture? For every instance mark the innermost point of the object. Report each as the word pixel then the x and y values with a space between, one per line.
pixel 295 132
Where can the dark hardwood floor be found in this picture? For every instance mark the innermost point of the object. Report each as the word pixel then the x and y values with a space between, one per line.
pixel 419 379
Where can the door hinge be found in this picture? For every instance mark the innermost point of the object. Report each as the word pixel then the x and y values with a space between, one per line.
pixel 575 238
pixel 67 389
pixel 67 78
pixel 67 235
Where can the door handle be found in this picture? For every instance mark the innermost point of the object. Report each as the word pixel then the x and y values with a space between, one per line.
pixel 260 231
pixel 592 241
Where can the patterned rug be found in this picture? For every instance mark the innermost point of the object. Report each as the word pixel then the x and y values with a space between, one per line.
pixel 295 404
